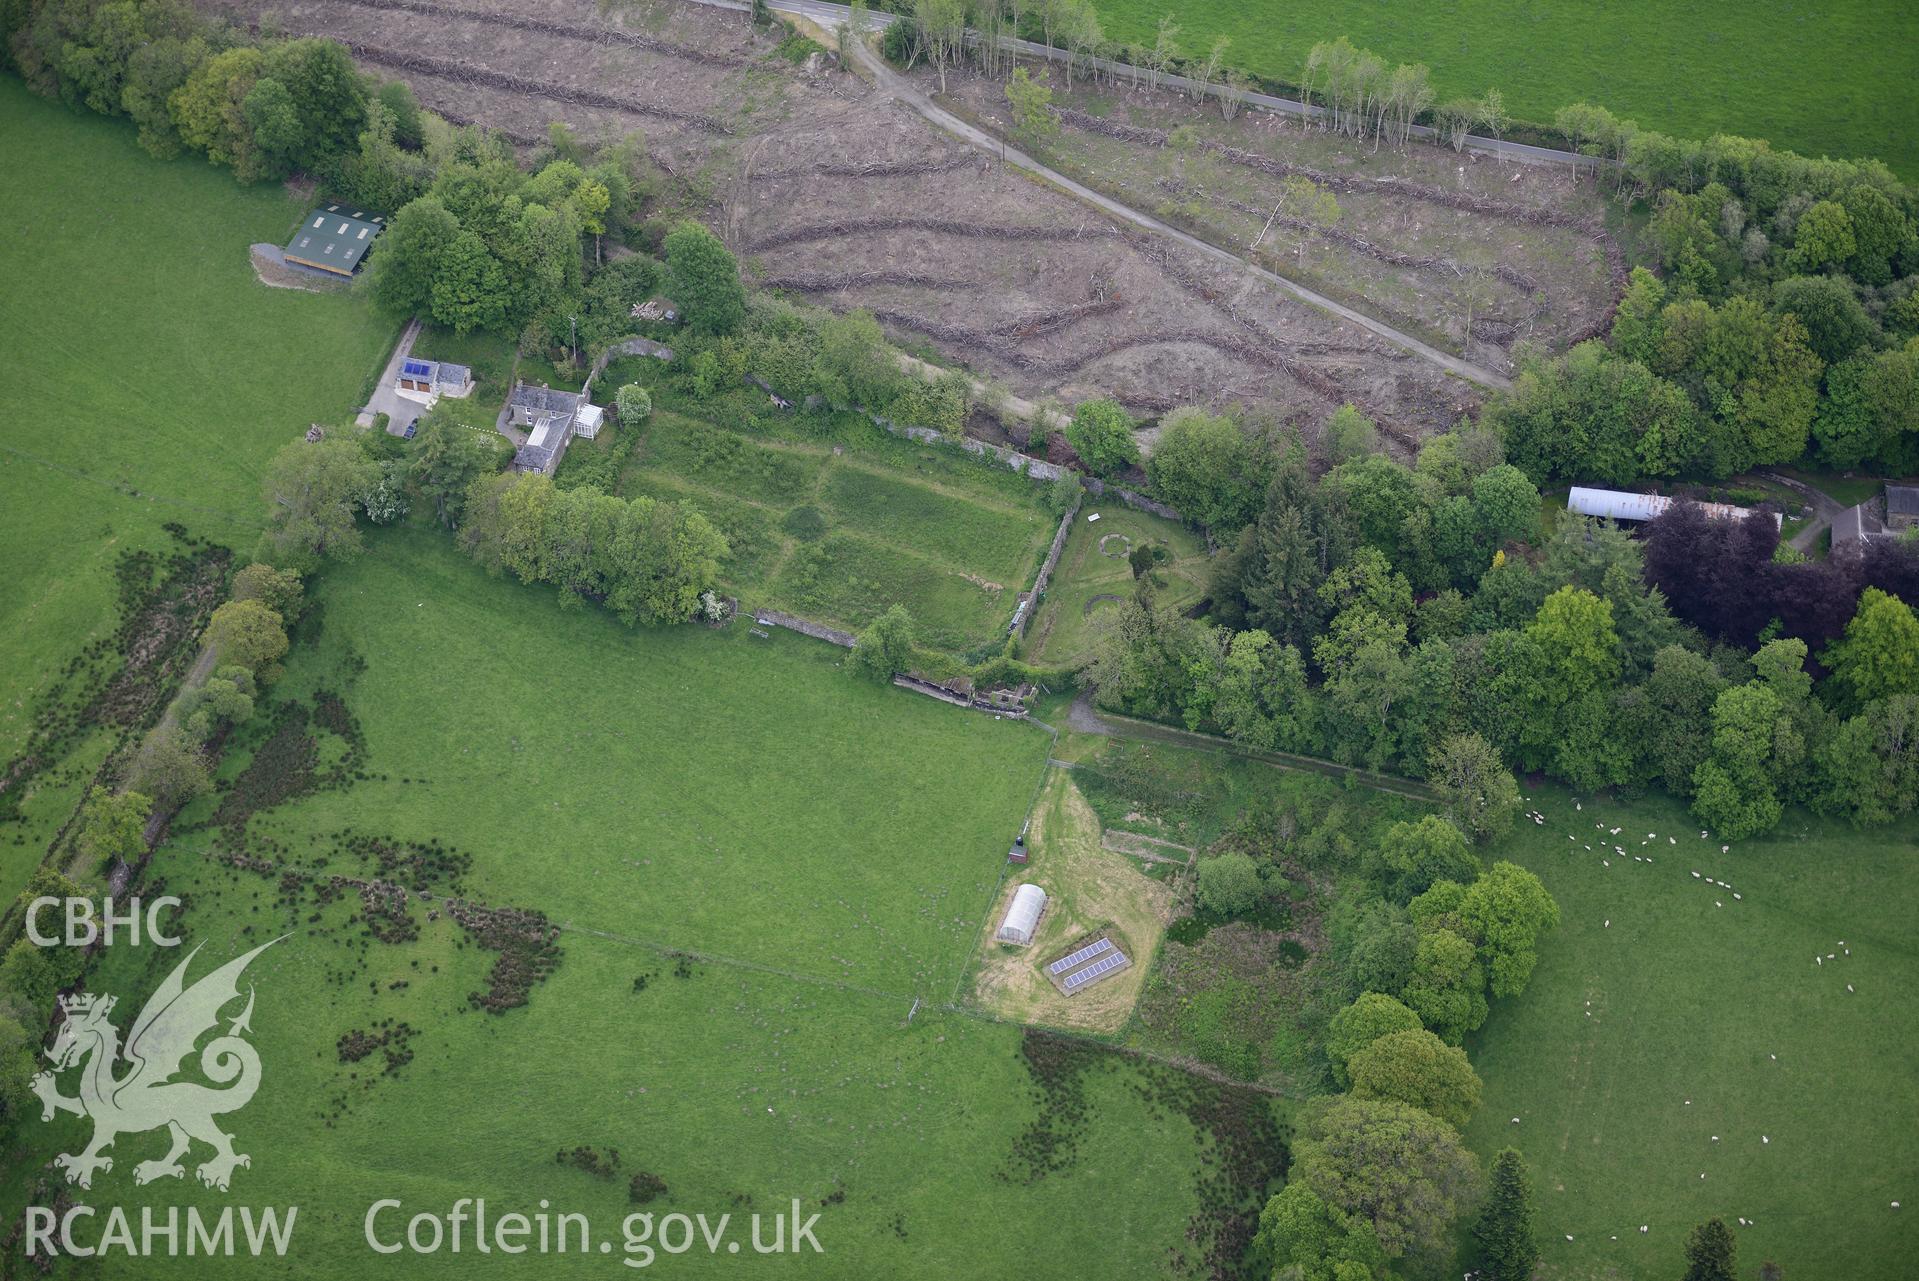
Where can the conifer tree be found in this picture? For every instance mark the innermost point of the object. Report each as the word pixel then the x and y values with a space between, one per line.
pixel 1709 1253
pixel 1505 1227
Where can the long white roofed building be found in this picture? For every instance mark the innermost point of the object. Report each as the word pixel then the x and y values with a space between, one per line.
pixel 1617 504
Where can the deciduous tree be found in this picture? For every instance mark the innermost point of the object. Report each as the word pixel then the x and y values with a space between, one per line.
pixel 886 646
pixel 1419 1069
pixel 311 491
pixel 1309 1240
pixel 1370 1016
pixel 247 633
pixel 1101 433
pixel 406 259
pixel 278 589
pixel 1394 1165
pixel 1506 910
pixel 1031 103
pixel 1410 857
pixel 1204 465
pixel 1478 789
pixel 704 279
pixel 1229 884
pixel 1879 655
pixel 113 828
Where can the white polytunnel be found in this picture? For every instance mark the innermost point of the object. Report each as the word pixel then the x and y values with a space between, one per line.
pixel 1028 902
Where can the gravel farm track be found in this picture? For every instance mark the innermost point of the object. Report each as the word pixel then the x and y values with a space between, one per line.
pixel 830 189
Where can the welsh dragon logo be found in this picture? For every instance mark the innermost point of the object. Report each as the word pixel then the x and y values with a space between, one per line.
pixel 147 1097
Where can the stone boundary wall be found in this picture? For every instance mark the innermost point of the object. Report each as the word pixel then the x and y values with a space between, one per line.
pixel 1138 502
pixel 945 695
pixel 818 631
pixel 1037 468
pixel 625 347
pixel 1023 614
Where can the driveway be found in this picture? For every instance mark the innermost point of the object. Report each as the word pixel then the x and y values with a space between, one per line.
pixel 386 400
pixel 1825 511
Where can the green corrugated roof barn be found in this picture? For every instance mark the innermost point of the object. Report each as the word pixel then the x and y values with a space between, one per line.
pixel 334 238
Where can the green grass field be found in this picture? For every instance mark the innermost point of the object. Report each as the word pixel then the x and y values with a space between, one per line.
pixel 1707 1020
pixel 148 377
pixel 1839 80
pixel 662 786
pixel 828 847
pixel 1090 579
pixel 840 536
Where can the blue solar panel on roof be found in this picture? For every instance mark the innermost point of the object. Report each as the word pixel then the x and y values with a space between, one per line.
pixel 418 368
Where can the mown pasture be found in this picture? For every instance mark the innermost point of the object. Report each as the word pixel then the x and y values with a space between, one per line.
pixel 149 376
pixel 757 862
pixel 1672 1031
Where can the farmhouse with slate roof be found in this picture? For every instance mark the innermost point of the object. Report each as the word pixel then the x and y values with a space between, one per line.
pixel 334 238
pixel 549 417
pixel 1902 506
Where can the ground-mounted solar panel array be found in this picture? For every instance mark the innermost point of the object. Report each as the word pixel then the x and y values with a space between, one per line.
pixel 1096 971
pixel 1087 964
pixel 1080 957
